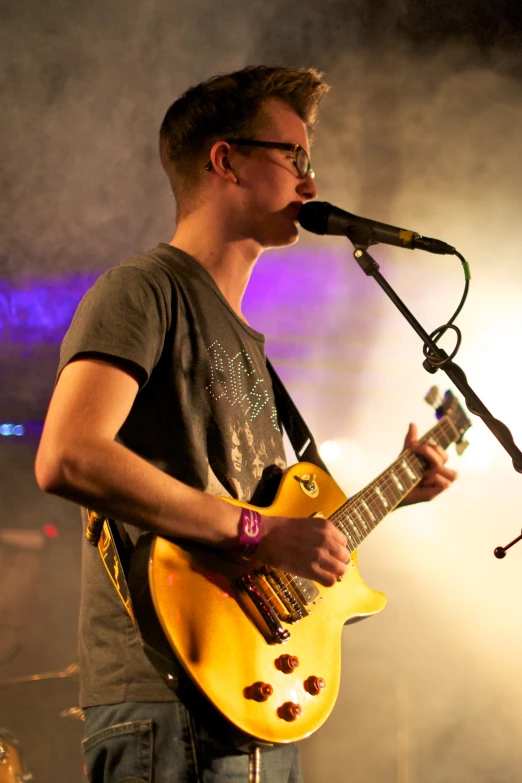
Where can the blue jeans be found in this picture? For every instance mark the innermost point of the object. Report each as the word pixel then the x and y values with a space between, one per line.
pixel 161 742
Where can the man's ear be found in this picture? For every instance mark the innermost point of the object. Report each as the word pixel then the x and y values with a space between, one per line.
pixel 219 158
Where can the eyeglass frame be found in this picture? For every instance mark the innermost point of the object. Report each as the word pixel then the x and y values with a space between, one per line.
pixel 274 145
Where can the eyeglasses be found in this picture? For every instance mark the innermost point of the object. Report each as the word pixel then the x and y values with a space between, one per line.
pixel 301 159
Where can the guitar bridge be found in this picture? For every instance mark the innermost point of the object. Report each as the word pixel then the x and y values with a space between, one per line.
pixel 276 597
pixel 249 586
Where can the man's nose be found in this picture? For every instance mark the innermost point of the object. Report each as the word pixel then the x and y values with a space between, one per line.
pixel 307 188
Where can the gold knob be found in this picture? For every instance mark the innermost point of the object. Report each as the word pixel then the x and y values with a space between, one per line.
pixel 287 663
pixel 314 685
pixel 289 711
pixel 259 691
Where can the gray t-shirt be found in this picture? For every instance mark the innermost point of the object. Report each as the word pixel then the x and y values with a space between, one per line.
pixel 204 413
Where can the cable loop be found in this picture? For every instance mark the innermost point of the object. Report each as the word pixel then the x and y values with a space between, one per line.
pixel 435 336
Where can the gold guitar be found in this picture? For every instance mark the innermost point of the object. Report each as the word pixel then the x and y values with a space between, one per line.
pixel 262 646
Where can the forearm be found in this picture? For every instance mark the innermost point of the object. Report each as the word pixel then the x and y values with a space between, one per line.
pixel 108 477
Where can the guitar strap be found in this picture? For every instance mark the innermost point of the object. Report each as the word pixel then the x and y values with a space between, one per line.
pixel 108 537
pixel 299 435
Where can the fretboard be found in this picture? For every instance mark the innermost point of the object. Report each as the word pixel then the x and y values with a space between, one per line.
pixel 363 512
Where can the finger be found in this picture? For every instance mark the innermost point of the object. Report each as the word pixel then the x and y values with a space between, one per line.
pixel 430 491
pixel 446 473
pixel 324 578
pixel 327 569
pixel 340 553
pixel 339 537
pixel 433 453
pixel 411 436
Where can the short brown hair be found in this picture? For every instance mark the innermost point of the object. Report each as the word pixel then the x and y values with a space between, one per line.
pixel 229 106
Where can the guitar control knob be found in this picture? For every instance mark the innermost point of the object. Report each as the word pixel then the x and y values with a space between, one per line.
pixel 314 685
pixel 289 711
pixel 287 663
pixel 259 691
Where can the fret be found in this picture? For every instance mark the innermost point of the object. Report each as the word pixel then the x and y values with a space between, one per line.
pixel 362 513
pixel 389 487
pixel 357 524
pixel 396 480
pixel 352 541
pixel 417 465
pixel 403 476
pixel 355 532
pixel 443 436
pixel 361 520
pixel 412 476
pixel 451 434
pixel 382 497
pixel 339 519
pixel 444 433
pixel 366 512
pixel 373 507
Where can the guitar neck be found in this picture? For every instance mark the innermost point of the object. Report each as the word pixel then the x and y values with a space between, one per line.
pixel 362 513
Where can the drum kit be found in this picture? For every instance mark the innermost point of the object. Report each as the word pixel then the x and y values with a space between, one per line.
pixel 12 765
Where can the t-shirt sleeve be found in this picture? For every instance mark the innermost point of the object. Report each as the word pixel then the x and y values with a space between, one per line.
pixel 124 317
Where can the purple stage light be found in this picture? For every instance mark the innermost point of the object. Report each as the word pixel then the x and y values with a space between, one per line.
pixel 35 310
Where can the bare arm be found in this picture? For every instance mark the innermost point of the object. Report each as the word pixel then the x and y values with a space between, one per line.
pixel 79 460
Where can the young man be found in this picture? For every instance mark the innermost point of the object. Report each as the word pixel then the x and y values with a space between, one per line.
pixel 163 402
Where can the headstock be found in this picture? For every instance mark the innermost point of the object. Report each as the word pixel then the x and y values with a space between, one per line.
pixel 449 406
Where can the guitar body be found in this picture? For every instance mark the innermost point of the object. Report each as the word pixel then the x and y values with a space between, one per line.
pixel 219 636
pixel 255 651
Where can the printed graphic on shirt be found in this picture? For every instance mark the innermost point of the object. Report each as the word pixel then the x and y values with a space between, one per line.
pixel 244 406
pixel 233 378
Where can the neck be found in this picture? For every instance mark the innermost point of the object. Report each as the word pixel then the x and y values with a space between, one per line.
pixel 229 260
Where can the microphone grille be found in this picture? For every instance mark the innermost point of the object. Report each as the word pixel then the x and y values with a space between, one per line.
pixel 313 216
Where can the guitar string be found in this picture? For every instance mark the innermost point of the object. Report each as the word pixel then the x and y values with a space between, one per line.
pixel 364 511
pixel 387 486
pixel 367 509
pixel 384 483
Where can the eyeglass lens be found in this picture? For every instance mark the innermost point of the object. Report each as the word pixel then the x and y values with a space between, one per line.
pixel 303 162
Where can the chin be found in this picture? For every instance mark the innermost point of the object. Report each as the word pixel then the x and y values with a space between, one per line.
pixel 283 240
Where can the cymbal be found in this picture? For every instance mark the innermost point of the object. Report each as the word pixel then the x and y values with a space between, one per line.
pixel 72 712
pixel 70 671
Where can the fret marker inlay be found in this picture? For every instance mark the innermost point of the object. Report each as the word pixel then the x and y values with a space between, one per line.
pixel 397 482
pixel 354 528
pixel 361 520
pixel 382 497
pixel 368 509
pixel 409 470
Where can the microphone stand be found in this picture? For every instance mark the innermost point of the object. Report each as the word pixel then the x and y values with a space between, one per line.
pixel 436 358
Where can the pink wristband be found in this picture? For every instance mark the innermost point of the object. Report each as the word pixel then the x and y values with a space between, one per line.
pixel 251 532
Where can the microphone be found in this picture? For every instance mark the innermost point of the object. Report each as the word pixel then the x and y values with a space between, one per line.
pixel 320 217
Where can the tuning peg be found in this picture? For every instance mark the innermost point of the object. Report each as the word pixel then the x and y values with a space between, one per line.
pixel 432 396
pixel 461 446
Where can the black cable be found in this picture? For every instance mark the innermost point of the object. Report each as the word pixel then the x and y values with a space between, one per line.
pixel 441 330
